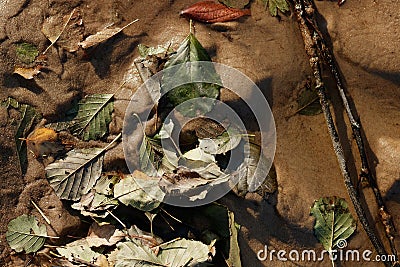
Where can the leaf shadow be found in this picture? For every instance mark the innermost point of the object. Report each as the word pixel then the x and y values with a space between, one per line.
pixel 113 51
pixel 262 222
pixel 14 81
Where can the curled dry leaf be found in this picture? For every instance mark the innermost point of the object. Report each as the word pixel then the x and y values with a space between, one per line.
pixel 102 36
pixel 28 73
pixel 43 142
pixel 66 30
pixel 210 12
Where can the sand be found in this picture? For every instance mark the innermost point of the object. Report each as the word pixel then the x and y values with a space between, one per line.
pixel 364 35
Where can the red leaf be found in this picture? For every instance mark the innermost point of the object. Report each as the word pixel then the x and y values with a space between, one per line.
pixel 209 11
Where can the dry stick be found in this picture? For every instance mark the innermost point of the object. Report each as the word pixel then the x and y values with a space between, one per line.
pixel 386 218
pixel 304 12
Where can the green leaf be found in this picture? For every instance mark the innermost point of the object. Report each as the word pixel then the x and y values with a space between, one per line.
pixel 130 191
pixel 221 221
pixel 274 5
pixel 28 117
pixel 308 103
pixel 79 249
pixel 333 221
pixel 191 51
pixel 150 155
pixel 89 118
pixel 235 3
pixel 26 52
pixel 24 233
pixel 145 50
pixel 250 176
pixel 74 175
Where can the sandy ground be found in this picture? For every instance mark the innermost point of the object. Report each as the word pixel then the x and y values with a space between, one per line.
pixel 364 35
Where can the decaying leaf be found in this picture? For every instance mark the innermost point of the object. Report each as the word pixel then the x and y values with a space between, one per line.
pixel 26 52
pixel 104 235
pixel 210 12
pixel 66 30
pixel 308 103
pixel 190 50
pixel 222 223
pixel 140 191
pixel 102 36
pixel 221 144
pixel 24 233
pixel 178 253
pixel 74 175
pixel 79 249
pixel 28 117
pixel 150 155
pixel 44 142
pixel 250 175
pixel 28 73
pixel 89 118
pixel 274 5
pixel 145 51
pixel 333 221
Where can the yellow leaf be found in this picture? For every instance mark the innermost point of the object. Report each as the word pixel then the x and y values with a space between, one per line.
pixel 43 141
pixel 28 73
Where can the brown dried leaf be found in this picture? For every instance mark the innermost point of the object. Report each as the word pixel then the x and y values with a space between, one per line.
pixel 102 36
pixel 104 235
pixel 43 141
pixel 28 73
pixel 210 12
pixel 66 30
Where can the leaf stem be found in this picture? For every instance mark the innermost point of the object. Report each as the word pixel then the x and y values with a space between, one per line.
pixel 41 212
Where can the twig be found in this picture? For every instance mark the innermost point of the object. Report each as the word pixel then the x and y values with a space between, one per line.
pixel 41 212
pixel 305 12
pixel 356 127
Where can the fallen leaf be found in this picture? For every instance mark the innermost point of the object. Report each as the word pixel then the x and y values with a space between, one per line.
pixel 75 175
pixel 28 73
pixel 190 50
pixel 104 235
pixel 65 30
pixel 26 52
pixel 308 103
pixel 235 3
pixel 28 117
pixel 210 12
pixel 89 118
pixel 140 191
pixel 274 5
pixel 102 36
pixel 79 249
pixel 24 233
pixel 333 221
pixel 44 142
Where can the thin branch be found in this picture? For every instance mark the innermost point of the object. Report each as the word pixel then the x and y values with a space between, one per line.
pixel 305 12
pixel 41 212
pixel 356 127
